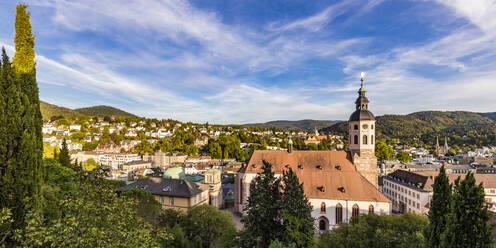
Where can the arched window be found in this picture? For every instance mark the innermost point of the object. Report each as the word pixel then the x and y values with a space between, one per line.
pixel 356 140
pixel 372 126
pixel 355 211
pixel 371 209
pixel 355 127
pixel 371 139
pixel 323 224
pixel 339 213
pixel 364 139
pixel 322 207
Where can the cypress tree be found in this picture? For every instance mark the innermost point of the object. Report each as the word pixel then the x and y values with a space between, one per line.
pixel 440 203
pixel 467 223
pixel 64 158
pixel 14 188
pixel 3 134
pixel 297 212
pixel 263 222
pixel 31 149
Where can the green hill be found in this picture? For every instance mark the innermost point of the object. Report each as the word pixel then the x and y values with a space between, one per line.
pixel 49 110
pixel 103 110
pixel 460 127
pixel 301 124
pixel 489 115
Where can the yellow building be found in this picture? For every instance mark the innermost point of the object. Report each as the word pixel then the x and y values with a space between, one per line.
pixel 178 194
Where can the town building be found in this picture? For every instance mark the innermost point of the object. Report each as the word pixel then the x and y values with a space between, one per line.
pixel 136 165
pixel 412 191
pixel 314 138
pixel 338 184
pixel 171 193
pixel 163 160
pixel 441 151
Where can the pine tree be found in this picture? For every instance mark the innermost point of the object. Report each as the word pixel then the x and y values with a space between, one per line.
pixel 297 212
pixel 263 222
pixel 64 157
pixel 440 203
pixel 3 123
pixel 467 223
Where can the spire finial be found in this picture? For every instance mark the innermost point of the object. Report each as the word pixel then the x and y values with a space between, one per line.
pixel 362 77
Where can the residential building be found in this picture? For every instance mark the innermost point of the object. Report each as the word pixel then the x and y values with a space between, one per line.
pixel 178 194
pixel 136 165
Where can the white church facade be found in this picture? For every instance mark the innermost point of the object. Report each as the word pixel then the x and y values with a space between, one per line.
pixel 338 184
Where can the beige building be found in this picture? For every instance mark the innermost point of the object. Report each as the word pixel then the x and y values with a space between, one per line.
pixel 212 179
pixel 178 194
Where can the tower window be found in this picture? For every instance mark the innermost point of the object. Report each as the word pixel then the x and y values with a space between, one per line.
pixel 356 140
pixel 365 126
pixel 372 126
pixel 322 207
pixel 372 139
pixel 364 139
pixel 355 127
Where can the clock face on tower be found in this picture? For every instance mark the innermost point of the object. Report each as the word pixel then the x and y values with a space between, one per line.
pixel 365 126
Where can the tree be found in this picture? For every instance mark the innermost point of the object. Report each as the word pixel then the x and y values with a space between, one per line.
pixel 383 151
pixel 403 157
pixel 215 150
pixel 148 208
pixel 467 222
pixel 5 225
pixel 204 225
pixel 263 221
pixel 64 157
pixel 438 214
pixel 377 231
pixel 92 216
pixel 297 212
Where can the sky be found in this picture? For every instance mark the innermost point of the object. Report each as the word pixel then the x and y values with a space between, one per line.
pixel 244 61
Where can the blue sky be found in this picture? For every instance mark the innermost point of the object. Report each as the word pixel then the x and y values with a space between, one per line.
pixel 241 61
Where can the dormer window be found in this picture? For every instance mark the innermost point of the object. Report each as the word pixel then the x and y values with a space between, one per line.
pixel 321 188
pixel 319 167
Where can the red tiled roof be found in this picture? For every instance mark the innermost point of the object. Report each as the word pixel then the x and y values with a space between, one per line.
pixel 305 165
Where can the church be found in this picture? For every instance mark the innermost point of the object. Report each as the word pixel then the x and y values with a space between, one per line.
pixel 338 184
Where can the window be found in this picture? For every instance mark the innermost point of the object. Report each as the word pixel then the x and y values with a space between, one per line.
pixel 372 139
pixel 418 205
pixel 322 207
pixel 171 201
pixel 365 126
pixel 364 139
pixel 356 140
pixel 355 127
pixel 418 196
pixel 162 200
pixel 372 126
pixel 339 213
pixel 371 209
pixel 355 211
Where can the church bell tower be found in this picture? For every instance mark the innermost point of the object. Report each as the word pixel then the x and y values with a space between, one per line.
pixel 362 138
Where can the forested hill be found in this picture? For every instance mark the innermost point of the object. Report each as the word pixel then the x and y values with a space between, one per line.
pixel 50 110
pixel 300 124
pixel 460 127
pixel 103 110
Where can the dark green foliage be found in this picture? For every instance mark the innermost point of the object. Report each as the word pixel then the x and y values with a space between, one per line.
pixel 178 240
pixel 204 225
pixel 64 157
pixel 297 218
pixel 439 210
pixel 263 221
pixel 148 208
pixel 171 217
pixel 381 231
pixel 467 223
pixel 91 216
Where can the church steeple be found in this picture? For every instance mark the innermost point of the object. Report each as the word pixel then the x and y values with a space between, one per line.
pixel 362 103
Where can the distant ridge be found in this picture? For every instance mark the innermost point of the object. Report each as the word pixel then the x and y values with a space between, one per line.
pixel 461 127
pixel 300 124
pixel 103 110
pixel 50 110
